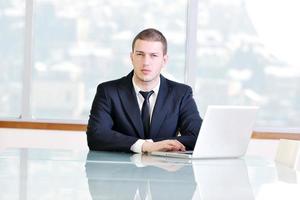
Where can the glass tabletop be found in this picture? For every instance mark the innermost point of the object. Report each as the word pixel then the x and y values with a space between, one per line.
pixel 65 174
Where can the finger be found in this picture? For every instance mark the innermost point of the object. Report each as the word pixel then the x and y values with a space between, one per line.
pixel 170 145
pixel 175 147
pixel 164 146
pixel 180 148
pixel 178 145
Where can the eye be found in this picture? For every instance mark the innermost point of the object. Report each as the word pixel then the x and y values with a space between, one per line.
pixel 139 54
pixel 154 55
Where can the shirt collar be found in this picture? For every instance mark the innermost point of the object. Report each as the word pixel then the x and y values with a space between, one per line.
pixel 137 89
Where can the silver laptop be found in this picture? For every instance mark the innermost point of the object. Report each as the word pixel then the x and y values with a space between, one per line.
pixel 225 133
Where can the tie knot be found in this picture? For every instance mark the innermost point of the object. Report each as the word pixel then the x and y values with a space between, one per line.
pixel 146 95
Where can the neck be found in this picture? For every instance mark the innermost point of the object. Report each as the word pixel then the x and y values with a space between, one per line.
pixel 145 85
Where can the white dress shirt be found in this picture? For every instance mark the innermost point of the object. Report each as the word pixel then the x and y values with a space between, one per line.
pixel 137 146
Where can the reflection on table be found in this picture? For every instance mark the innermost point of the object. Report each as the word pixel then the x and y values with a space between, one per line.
pixel 124 180
pixel 63 174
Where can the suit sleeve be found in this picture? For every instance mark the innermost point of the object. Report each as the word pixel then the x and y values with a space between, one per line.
pixel 189 120
pixel 100 134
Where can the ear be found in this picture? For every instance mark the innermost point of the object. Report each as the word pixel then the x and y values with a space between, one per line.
pixel 131 56
pixel 165 59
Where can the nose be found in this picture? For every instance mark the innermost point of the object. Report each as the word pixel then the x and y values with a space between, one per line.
pixel 146 60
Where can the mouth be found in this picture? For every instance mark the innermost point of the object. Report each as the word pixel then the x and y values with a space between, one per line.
pixel 146 71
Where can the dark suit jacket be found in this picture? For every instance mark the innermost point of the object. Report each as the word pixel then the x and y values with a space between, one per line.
pixel 115 121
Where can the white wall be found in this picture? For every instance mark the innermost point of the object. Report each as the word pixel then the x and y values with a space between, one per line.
pixel 42 139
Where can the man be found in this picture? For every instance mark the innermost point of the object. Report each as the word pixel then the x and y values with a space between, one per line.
pixel 144 112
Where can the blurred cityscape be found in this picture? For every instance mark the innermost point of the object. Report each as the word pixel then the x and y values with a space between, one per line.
pixel 234 67
pixel 79 44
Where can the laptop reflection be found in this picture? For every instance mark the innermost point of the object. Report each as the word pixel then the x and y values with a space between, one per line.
pixel 222 179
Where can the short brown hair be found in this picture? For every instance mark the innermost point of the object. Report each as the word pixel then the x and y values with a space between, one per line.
pixel 151 34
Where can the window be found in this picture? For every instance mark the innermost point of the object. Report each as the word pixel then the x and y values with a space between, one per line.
pixel 79 44
pixel 243 58
pixel 11 56
pixel 241 52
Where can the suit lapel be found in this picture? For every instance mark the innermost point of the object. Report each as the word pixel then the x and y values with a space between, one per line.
pixel 160 109
pixel 130 104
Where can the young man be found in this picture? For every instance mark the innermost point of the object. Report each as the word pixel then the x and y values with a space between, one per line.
pixel 144 112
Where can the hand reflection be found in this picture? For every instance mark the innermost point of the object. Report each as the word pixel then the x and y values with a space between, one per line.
pixel 143 160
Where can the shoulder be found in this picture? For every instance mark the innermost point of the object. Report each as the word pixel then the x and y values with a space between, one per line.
pixel 109 84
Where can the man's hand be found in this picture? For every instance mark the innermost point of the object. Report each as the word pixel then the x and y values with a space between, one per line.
pixel 164 145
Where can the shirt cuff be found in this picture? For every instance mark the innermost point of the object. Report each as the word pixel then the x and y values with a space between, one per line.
pixel 137 146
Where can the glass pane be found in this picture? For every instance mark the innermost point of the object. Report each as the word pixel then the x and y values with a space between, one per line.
pixel 79 44
pixel 12 175
pixel 248 55
pixel 12 14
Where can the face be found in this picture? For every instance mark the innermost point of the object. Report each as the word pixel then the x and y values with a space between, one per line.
pixel 147 60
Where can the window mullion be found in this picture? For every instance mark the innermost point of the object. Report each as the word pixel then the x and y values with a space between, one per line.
pixel 191 43
pixel 26 113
